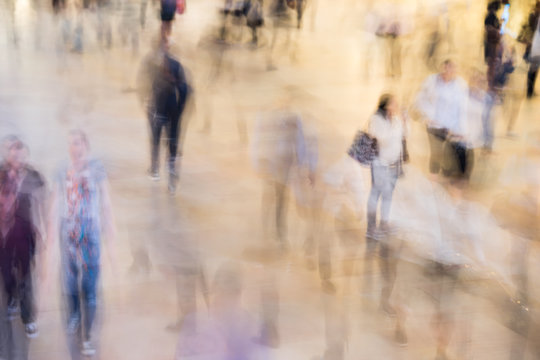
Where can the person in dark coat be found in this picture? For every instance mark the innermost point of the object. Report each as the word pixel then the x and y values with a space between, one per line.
pixel 165 91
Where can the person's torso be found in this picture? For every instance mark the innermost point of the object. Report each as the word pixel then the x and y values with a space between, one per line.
pixel 81 197
pixel 389 134
pixel 447 104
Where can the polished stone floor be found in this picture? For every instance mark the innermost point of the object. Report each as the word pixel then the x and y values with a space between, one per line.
pixel 337 73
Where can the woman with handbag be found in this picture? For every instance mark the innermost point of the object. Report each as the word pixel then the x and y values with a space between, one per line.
pixel 389 131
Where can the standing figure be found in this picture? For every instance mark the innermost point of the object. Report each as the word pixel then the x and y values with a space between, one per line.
pixel 80 209
pixel 532 52
pixel 442 102
pixel 278 147
pixel 389 131
pixel 25 216
pixel 164 91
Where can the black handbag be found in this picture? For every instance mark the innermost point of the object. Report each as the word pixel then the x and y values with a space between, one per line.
pixel 364 148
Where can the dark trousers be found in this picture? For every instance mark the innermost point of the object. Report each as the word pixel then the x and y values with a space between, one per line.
pixel 531 78
pixel 459 159
pixel 20 290
pixel 171 126
pixel 436 139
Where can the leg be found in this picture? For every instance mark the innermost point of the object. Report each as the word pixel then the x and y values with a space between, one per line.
pixel 89 292
pixel 387 258
pixel 173 151
pixel 156 125
pixel 373 201
pixel 436 150
pixel 512 107
pixel 26 291
pixel 531 78
pixel 281 212
pixel 72 293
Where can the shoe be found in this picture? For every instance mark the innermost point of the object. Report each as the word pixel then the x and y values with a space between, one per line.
pixel 153 175
pixel 12 311
pixel 31 330
pixel 88 349
pixel 73 325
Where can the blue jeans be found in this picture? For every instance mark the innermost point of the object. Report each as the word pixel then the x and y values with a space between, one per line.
pixel 81 294
pixel 383 182
pixel 80 271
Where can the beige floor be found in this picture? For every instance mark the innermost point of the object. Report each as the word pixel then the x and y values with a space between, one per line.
pixel 44 93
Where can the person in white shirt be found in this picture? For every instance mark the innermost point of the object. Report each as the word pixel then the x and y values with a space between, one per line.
pixel 442 102
pixel 388 129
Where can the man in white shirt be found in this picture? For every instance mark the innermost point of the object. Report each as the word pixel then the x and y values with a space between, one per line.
pixel 442 101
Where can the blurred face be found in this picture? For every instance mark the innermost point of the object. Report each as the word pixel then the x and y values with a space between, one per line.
pixel 16 154
pixel 449 71
pixel 78 149
pixel 392 107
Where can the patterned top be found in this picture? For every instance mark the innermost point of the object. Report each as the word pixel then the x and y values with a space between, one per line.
pixel 80 210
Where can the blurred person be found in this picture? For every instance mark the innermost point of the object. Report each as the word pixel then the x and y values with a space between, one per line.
pixel 230 330
pixel 27 187
pixel 129 25
pixel 477 104
pixel 390 28
pixel 345 200
pixel 442 102
pixel 18 244
pixel 80 213
pixel 492 38
pixel 300 8
pixel 532 52
pixel 278 146
pixel 176 252
pixel 389 129
pixel 104 27
pixel 30 184
pixel 309 191
pixel 280 12
pixel 512 92
pixel 164 91
pixel 255 19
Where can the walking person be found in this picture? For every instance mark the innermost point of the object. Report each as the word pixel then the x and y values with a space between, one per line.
pixel 80 209
pixel 442 103
pixel 532 52
pixel 388 129
pixel 23 191
pixel 164 90
pixel 17 250
pixel 277 149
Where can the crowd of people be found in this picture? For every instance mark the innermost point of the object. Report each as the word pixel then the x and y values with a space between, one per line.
pixel 430 224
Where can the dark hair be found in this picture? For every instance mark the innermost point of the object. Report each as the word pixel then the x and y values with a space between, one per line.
pixel 384 101
pixel 494 5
